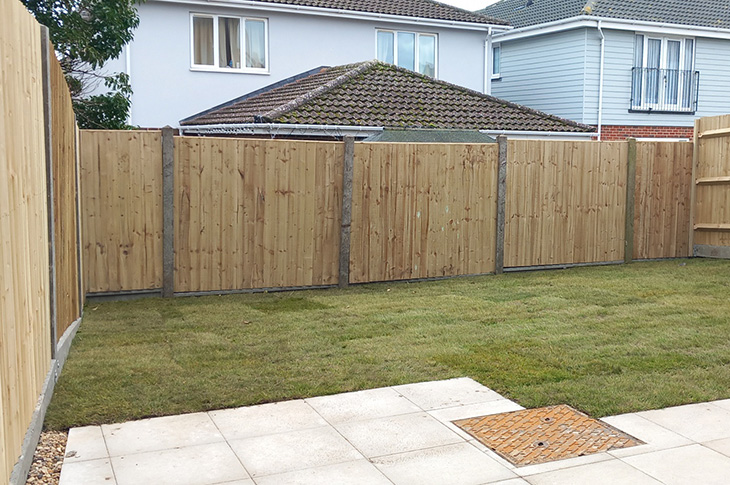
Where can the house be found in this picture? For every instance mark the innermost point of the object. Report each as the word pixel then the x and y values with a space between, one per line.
pixel 188 55
pixel 642 68
pixel 363 99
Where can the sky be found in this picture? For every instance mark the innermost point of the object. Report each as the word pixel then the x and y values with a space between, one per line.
pixel 469 4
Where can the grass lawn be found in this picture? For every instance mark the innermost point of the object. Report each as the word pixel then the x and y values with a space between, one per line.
pixel 606 340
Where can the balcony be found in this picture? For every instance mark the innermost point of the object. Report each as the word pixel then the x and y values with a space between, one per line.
pixel 664 90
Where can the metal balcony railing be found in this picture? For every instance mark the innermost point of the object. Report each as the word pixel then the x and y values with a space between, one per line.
pixel 664 90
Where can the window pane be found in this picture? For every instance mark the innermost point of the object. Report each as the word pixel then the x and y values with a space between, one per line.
pixel 407 50
pixel 427 55
pixel 229 42
pixel 385 46
pixel 638 72
pixel 672 84
pixel 256 44
pixel 653 62
pixel 203 41
pixel 496 60
pixel 687 80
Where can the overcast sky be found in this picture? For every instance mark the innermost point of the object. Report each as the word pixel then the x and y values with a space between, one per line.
pixel 469 4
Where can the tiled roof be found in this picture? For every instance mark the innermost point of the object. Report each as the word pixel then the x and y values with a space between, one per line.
pixel 426 9
pixel 377 94
pixel 704 13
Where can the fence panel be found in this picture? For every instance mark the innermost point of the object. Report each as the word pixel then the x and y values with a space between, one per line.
pixel 423 210
pixel 256 213
pixel 662 200
pixel 121 190
pixel 566 202
pixel 712 196
pixel 25 341
pixel 65 191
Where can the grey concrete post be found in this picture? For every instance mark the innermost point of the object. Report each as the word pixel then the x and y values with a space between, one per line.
pixel 168 212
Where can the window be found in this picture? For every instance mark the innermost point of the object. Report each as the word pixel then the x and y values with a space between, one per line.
pixel 228 43
pixel 663 78
pixel 496 61
pixel 410 50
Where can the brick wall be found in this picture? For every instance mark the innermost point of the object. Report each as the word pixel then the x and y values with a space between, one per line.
pixel 621 132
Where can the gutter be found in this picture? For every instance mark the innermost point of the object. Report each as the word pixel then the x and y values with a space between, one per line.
pixel 600 82
pixel 342 13
pixel 612 23
pixel 540 134
pixel 281 129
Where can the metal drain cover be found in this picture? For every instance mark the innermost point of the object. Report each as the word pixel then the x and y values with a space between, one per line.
pixel 546 434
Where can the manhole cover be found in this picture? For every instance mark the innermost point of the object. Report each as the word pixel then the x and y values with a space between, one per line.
pixel 546 434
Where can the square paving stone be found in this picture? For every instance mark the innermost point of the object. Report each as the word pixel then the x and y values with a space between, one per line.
pixel 535 436
pixel 266 419
pixel 158 434
pixel 458 464
pixel 360 472
pixel 90 472
pixel 603 473
pixel 296 450
pixel 191 465
pixel 361 405
pixel 698 422
pixel 448 393
pixel 85 443
pixel 693 464
pixel 397 434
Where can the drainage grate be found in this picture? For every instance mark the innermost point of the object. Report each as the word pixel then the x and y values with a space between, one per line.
pixel 546 434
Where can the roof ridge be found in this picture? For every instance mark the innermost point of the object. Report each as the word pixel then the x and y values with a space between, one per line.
pixel 308 96
pixel 488 96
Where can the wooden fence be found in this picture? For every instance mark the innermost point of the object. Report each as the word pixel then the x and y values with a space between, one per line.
pixel 252 214
pixel 712 188
pixel 40 267
pixel 25 345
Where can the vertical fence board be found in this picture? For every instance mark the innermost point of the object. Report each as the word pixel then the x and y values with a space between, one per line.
pixel 25 347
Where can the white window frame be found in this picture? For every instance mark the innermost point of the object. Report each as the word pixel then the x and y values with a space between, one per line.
pixel 663 62
pixel 417 47
pixel 216 45
pixel 496 75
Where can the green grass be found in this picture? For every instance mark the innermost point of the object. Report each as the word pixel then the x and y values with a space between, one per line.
pixel 606 340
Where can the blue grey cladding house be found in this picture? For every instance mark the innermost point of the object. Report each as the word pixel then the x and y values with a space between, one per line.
pixel 644 68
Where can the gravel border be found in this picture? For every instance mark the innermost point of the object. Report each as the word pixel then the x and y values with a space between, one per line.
pixel 48 458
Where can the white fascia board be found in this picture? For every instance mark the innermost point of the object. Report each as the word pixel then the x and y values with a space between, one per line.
pixel 348 14
pixel 281 129
pixel 553 135
pixel 613 24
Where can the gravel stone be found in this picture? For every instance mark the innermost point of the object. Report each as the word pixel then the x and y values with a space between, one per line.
pixel 48 458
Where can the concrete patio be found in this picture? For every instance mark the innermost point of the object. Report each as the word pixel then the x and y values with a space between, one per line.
pixel 396 435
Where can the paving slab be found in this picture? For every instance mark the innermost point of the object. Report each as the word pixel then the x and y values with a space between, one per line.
pixel 158 434
pixel 693 464
pixel 89 472
pixel 655 436
pixel 88 444
pixel 698 422
pixel 362 405
pixel 610 472
pixel 190 465
pixel 459 464
pixel 448 393
pixel 397 434
pixel 360 472
pixel 266 419
pixel 285 452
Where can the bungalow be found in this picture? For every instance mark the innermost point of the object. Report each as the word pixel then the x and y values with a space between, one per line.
pixel 642 68
pixel 365 98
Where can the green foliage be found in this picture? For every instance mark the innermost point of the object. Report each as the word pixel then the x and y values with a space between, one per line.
pixel 86 34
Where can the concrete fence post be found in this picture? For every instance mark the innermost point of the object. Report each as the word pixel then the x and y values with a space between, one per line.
pixel 501 203
pixel 168 211
pixel 347 174
pixel 46 54
pixel 630 202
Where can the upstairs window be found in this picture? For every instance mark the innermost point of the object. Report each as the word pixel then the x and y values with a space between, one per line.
pixel 411 50
pixel 496 61
pixel 663 76
pixel 227 43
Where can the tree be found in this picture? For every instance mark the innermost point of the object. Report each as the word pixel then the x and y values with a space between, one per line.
pixel 86 34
